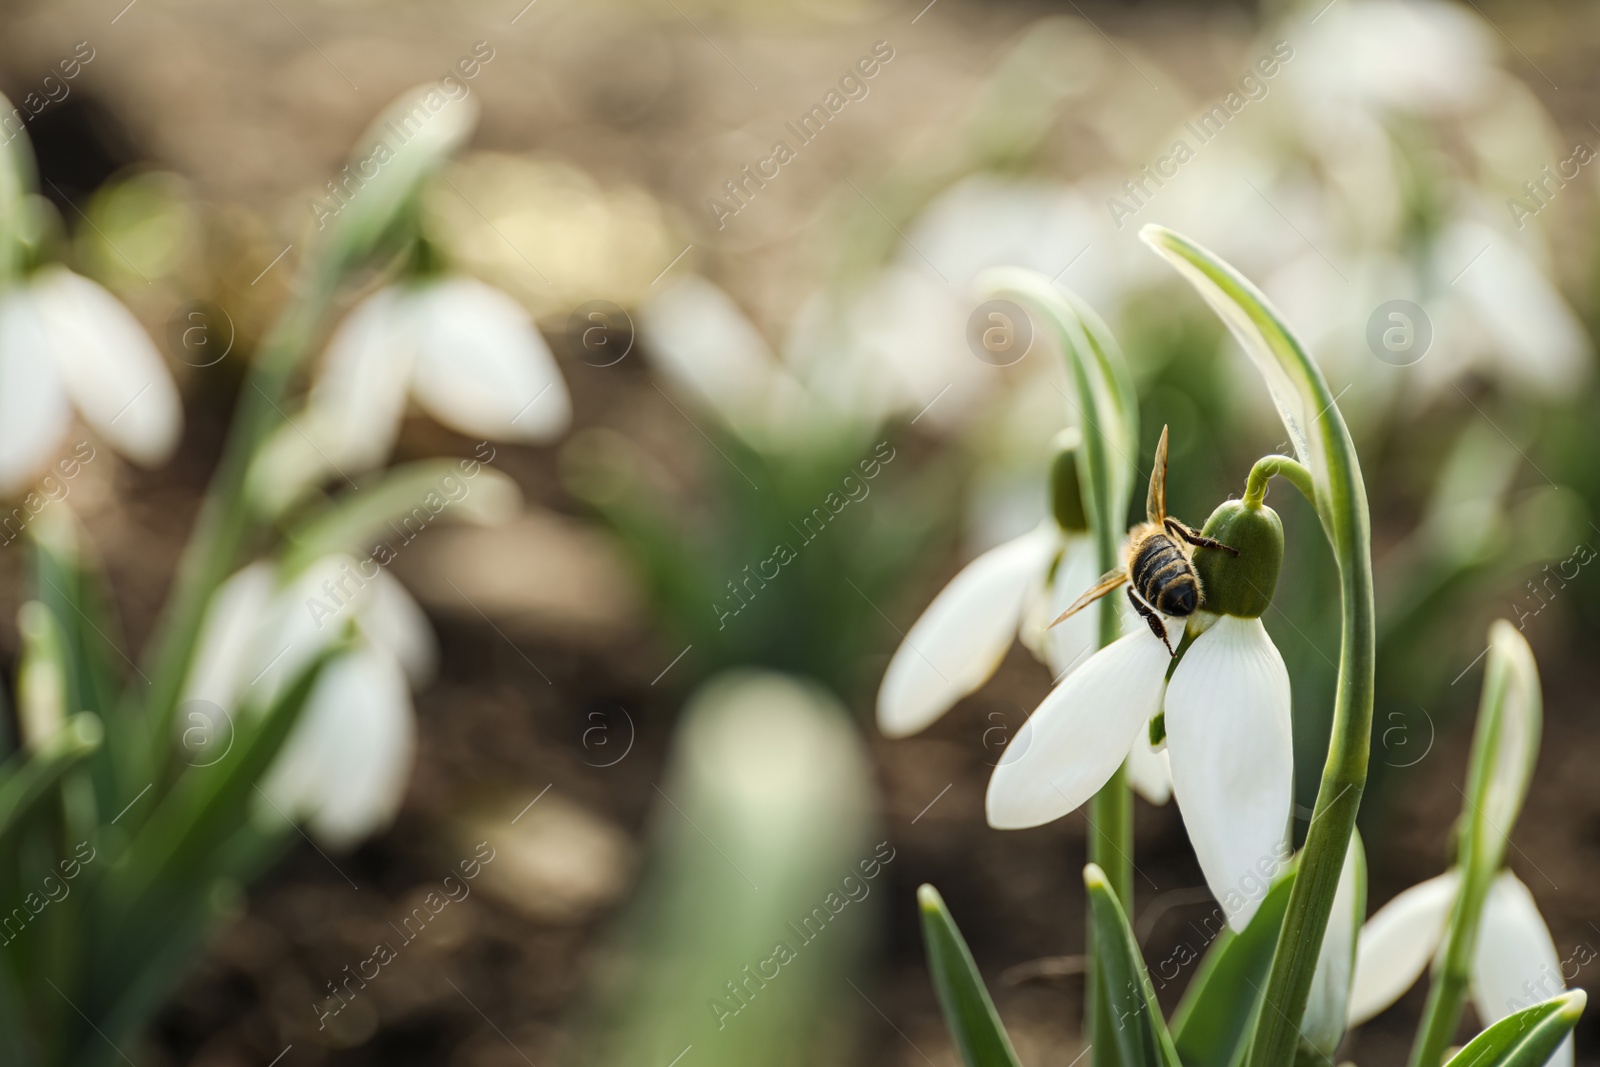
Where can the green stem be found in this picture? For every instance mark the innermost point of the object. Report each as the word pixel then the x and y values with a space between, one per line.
pixel 1344 775
pixel 1110 845
pixel 226 521
pixel 1255 487
pixel 1481 852
pixel 1322 441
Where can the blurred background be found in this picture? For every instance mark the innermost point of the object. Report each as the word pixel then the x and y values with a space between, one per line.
pixel 746 232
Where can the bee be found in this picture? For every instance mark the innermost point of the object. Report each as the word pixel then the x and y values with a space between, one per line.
pixel 1158 564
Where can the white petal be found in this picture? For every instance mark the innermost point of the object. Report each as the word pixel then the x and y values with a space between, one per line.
pixel 1149 771
pixel 312 611
pixel 701 342
pixel 1067 645
pixel 354 412
pixel 224 661
pixel 394 622
pixel 1232 751
pixel 34 414
pixel 1327 1011
pixel 1080 735
pixel 1397 943
pixel 483 369
pixel 109 366
pixel 962 636
pixel 345 767
pixel 1516 965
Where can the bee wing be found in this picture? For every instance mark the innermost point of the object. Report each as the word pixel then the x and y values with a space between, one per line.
pixel 1107 582
pixel 1155 506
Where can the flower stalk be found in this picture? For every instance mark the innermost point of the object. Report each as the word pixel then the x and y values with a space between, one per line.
pixel 1108 412
pixel 226 521
pixel 1326 453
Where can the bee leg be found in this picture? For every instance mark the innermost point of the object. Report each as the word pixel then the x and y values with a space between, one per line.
pixel 1149 616
pixel 1178 529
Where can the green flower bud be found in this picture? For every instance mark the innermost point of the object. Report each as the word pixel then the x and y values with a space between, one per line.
pixel 1066 491
pixel 1240 585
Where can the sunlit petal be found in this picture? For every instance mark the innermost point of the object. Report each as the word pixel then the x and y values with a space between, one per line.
pixel 344 769
pixel 109 366
pixel 700 341
pixel 1397 943
pixel 1327 1011
pixel 482 367
pixel 1232 752
pixel 1516 965
pixel 34 414
pixel 354 413
pixel 1149 771
pixel 1079 735
pixel 1068 644
pixel 224 658
pixel 394 622
pixel 962 636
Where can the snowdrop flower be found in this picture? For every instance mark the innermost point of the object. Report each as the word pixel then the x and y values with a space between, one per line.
pixel 1012 590
pixel 1225 714
pixel 67 343
pixel 344 768
pixel 466 352
pixel 706 348
pixel 905 327
pixel 1515 964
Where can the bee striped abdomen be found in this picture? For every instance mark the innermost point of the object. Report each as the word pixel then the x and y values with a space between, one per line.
pixel 1164 577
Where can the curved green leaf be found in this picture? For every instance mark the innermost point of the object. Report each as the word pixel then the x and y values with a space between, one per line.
pixel 1527 1039
pixel 968 1011
pixel 27 777
pixel 1504 746
pixel 417 493
pixel 1141 1034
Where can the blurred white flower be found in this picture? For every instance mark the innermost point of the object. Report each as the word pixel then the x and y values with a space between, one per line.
pixel 343 770
pixel 1515 964
pixel 466 352
pixel 704 346
pixel 66 342
pixel 1421 56
pixel 1228 740
pixel 906 327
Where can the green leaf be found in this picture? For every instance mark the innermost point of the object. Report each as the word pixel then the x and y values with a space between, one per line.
pixel 1504 746
pixel 207 804
pixel 413 495
pixel 1526 1039
pixel 1141 1034
pixel 27 777
pixel 1216 1011
pixel 968 1011
pixel 69 581
pixel 1107 409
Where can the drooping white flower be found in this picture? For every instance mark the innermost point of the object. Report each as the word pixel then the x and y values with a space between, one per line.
pixel 468 354
pixel 1229 746
pixel 67 343
pixel 1515 964
pixel 344 768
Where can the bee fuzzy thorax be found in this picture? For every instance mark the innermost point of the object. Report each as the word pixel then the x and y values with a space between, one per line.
pixel 1161 573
